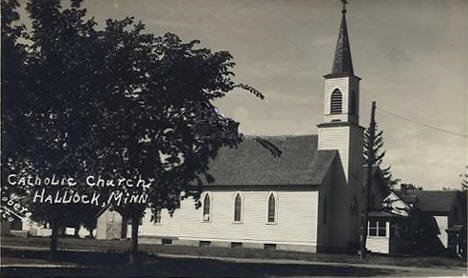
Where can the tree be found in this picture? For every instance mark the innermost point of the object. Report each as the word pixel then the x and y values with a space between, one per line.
pixel 411 187
pixel 378 156
pixel 464 182
pixel 47 93
pixel 123 104
pixel 160 123
pixel 13 107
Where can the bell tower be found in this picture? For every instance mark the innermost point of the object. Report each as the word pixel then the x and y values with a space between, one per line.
pixel 340 128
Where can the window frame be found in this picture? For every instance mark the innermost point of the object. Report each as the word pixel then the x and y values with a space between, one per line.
pixel 336 103
pixel 210 207
pixel 241 210
pixel 377 228
pixel 275 196
pixel 154 217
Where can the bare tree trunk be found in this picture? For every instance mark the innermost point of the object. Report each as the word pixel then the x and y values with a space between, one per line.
pixel 53 242
pixel 77 231
pixel 134 251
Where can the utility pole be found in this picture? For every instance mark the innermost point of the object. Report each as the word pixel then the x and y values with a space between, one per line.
pixel 370 163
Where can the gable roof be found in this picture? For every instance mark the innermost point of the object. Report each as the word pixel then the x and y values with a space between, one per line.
pixel 433 201
pixel 252 164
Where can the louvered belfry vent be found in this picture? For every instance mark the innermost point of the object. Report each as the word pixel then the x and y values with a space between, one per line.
pixel 336 102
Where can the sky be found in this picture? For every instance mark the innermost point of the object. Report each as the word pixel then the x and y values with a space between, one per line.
pixel 411 55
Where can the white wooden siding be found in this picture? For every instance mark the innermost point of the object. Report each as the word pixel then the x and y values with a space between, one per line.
pixel 341 84
pixel 336 138
pixel 345 85
pixel 442 223
pixel 170 225
pixel 296 219
pixel 380 244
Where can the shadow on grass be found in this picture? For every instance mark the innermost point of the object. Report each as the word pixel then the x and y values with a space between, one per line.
pixel 95 264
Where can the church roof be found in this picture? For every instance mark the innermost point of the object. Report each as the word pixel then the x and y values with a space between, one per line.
pixel 252 164
pixel 342 63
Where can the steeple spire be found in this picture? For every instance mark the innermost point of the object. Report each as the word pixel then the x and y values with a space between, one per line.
pixel 342 63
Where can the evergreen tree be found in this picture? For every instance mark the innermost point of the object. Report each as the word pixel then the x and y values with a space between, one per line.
pixel 379 154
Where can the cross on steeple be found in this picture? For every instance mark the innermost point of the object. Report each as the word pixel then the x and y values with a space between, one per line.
pixel 343 11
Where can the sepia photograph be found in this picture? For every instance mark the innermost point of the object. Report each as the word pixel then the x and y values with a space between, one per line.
pixel 234 138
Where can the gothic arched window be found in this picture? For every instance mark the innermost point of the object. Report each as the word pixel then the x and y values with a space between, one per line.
pixel 336 103
pixel 271 208
pixel 207 207
pixel 237 208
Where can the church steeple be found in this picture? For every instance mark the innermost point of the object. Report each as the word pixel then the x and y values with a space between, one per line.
pixel 342 62
pixel 340 128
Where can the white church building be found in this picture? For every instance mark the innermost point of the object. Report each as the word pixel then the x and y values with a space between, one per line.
pixel 306 200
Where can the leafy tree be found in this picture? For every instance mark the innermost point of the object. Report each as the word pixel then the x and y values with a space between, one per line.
pixel 47 93
pixel 410 186
pixel 13 107
pixel 121 103
pixel 379 154
pixel 160 123
pixel 464 182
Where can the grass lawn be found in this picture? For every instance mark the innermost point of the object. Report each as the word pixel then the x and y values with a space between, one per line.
pixel 119 247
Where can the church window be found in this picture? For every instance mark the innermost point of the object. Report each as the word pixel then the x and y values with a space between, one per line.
pixel 325 208
pixel 237 208
pixel 336 102
pixel 271 208
pixel 156 217
pixel 207 207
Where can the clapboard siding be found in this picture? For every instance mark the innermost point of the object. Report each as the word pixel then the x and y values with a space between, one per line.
pixel 380 244
pixel 336 138
pixel 170 225
pixel 442 224
pixel 295 209
pixel 348 86
pixel 341 84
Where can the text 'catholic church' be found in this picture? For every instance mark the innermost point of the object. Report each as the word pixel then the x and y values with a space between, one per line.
pixel 306 200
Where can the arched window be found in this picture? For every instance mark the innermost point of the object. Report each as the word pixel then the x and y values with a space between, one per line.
pixel 336 102
pixel 237 208
pixel 156 216
pixel 206 207
pixel 271 208
pixel 324 211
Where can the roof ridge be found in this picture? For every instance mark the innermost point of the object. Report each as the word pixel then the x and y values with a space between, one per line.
pixel 279 136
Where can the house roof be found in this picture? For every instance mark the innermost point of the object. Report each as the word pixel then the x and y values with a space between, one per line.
pixel 377 213
pixel 252 164
pixel 436 201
